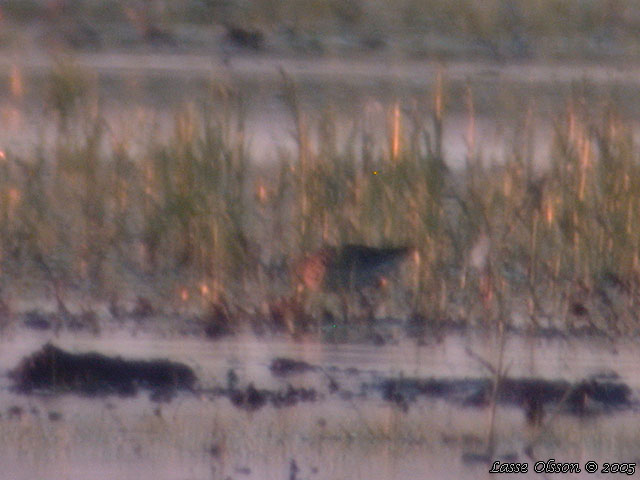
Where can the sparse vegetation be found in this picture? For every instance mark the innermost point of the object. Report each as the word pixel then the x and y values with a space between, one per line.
pixel 192 217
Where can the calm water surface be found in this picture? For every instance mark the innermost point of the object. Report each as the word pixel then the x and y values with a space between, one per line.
pixel 514 106
pixel 335 437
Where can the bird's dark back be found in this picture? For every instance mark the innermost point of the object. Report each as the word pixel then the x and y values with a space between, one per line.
pixel 358 266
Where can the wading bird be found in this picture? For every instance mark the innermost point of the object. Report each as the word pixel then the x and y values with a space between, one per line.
pixel 351 269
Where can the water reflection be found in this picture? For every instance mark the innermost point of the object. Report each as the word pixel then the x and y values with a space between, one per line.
pixel 339 436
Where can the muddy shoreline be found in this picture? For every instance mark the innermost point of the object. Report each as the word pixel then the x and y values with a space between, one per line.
pixel 55 371
pixel 395 397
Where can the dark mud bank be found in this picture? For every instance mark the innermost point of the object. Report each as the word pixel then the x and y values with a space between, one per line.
pixel 585 397
pixel 52 369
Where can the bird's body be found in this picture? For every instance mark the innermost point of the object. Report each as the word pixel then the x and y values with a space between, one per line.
pixel 350 267
pixel 354 276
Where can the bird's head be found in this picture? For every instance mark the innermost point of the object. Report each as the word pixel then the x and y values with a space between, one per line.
pixel 311 270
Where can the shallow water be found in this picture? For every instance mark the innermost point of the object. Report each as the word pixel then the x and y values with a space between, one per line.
pixel 338 436
pixel 139 94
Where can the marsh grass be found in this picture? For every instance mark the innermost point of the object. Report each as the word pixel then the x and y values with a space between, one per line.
pixel 191 217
